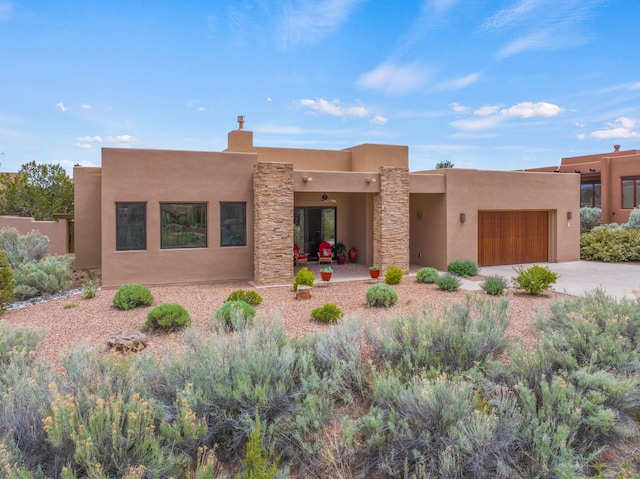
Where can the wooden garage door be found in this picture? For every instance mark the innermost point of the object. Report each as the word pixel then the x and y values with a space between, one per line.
pixel 511 237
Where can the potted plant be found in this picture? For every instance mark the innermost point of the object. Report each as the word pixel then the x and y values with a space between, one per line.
pixel 325 273
pixel 374 271
pixel 341 253
pixel 353 254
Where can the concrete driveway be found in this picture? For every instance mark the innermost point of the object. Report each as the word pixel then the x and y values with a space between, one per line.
pixel 577 277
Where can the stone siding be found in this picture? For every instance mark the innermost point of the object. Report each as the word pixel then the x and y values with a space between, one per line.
pixel 273 223
pixel 391 220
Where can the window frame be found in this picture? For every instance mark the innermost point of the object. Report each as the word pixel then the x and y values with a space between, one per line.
pixel 224 221
pixel 635 191
pixel 122 204
pixel 592 184
pixel 203 216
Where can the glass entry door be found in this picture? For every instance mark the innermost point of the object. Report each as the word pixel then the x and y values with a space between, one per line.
pixel 312 225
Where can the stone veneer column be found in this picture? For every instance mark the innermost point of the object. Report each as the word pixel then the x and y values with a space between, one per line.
pixel 273 223
pixel 391 219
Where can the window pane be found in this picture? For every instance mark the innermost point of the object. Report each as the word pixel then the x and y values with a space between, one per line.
pixel 131 226
pixel 627 193
pixel 233 231
pixel 637 203
pixel 597 189
pixel 183 225
pixel 586 194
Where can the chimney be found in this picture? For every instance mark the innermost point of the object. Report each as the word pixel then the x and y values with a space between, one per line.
pixel 616 147
pixel 240 122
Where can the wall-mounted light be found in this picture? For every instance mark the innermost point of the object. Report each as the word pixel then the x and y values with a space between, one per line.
pixel 419 215
pixel 463 217
pixel 569 215
pixel 307 178
pixel 592 170
pixel 370 180
pixel 577 171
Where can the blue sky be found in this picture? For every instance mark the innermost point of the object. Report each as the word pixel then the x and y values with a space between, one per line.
pixel 504 84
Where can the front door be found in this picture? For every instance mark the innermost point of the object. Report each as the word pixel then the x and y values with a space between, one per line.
pixel 312 225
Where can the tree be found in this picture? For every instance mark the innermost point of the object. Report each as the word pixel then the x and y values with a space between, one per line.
pixel 444 164
pixel 37 190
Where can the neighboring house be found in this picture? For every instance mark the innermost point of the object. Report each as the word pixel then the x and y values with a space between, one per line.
pixel 163 217
pixel 610 181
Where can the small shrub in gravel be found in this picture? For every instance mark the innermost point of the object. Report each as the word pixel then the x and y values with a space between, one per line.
pixel 494 285
pixel 427 275
pixel 535 279
pixel 393 275
pixel 23 249
pixel 132 295
pixel 329 313
pixel 464 268
pixel 448 282
pixel 46 277
pixel 381 295
pixel 90 288
pixel 248 296
pixel 235 315
pixel 7 283
pixel 304 277
pixel 167 317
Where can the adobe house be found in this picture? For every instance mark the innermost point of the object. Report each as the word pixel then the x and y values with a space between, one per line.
pixel 166 217
pixel 610 181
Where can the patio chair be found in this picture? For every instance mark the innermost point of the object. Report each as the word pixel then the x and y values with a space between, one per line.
pixel 298 257
pixel 325 255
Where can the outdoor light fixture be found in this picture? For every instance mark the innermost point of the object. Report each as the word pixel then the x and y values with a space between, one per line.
pixel 577 171
pixel 463 217
pixel 370 180
pixel 569 215
pixel 419 215
pixel 307 178
pixel 592 170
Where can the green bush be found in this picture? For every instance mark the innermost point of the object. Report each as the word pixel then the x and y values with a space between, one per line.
pixel 448 282
pixel 248 296
pixel 167 317
pixel 7 283
pixel 304 277
pixel 494 285
pixel 381 295
pixel 604 244
pixel 464 268
pixel 258 462
pixel 235 315
pixel 132 295
pixel 46 277
pixel 589 217
pixel 90 288
pixel 23 249
pixel 329 313
pixel 634 219
pixel 393 275
pixel 427 275
pixel 535 279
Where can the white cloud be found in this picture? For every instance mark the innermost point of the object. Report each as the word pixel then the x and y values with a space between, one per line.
pixel 83 146
pixel 335 108
pixel 379 120
pixel 475 124
pixel 458 108
pixel 487 110
pixel 85 106
pixel 623 127
pixel 529 109
pixel 269 99
pixel 395 79
pixel 90 139
pixel 512 15
pixel 458 83
pixel 61 106
pixel 86 142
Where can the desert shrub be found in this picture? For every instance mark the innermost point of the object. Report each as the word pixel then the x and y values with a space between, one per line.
pixel 248 296
pixel 393 275
pixel 23 249
pixel 464 268
pixel 258 462
pixel 235 315
pixel 604 244
pixel 634 219
pixel 90 288
pixel 304 277
pixel 494 285
pixel 132 295
pixel 167 317
pixel 589 217
pixel 427 275
pixel 448 282
pixel 46 277
pixel 381 295
pixel 7 282
pixel 535 279
pixel 329 313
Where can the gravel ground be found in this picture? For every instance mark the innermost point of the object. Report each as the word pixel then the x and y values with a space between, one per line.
pixel 74 321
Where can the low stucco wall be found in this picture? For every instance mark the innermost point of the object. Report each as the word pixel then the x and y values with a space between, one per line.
pixel 56 231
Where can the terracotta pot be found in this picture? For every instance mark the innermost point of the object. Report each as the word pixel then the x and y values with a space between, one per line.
pixel 353 257
pixel 342 259
pixel 326 276
pixel 374 273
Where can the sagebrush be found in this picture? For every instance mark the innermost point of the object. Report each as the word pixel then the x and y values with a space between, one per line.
pixel 427 275
pixel 381 295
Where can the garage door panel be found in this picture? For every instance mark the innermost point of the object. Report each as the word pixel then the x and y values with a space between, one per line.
pixel 511 237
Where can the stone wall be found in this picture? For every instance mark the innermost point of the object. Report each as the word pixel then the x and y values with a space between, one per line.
pixel 391 220
pixel 273 223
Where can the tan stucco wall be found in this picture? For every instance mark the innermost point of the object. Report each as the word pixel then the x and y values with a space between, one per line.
pixel 88 217
pixel 56 231
pixel 428 231
pixel 155 176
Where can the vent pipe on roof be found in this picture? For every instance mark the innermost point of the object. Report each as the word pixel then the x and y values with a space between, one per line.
pixel 240 122
pixel 616 147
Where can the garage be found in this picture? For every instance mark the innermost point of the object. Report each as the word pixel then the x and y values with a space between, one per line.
pixel 513 237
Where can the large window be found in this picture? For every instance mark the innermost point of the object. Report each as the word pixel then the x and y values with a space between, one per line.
pixel 631 192
pixel 131 226
pixel 233 224
pixel 590 194
pixel 183 225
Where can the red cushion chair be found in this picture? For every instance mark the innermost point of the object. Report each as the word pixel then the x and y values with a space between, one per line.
pixel 298 257
pixel 325 255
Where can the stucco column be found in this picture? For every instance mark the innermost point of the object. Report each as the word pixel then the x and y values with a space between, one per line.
pixel 391 219
pixel 273 223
